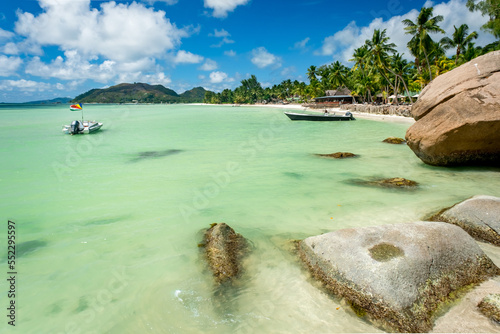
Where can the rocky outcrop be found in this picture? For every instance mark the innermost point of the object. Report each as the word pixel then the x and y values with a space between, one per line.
pixel 224 249
pixel 394 140
pixel 338 155
pixel 398 274
pixel 458 116
pixel 394 182
pixel 386 109
pixel 479 216
pixel 490 306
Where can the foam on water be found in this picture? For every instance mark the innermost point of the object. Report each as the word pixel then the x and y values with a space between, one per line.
pixel 111 221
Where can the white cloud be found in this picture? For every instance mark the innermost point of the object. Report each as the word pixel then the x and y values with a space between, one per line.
pixel 219 33
pixel 230 53
pixel 24 85
pixel 209 65
pixel 73 66
pixel 10 49
pixel 9 65
pixel 4 34
pixel 168 2
pixel 185 57
pixel 121 32
pixel 301 44
pixel 225 37
pixel 262 58
pixel 222 7
pixel 341 45
pixel 218 77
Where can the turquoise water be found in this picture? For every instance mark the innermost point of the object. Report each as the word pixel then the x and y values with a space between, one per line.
pixel 108 224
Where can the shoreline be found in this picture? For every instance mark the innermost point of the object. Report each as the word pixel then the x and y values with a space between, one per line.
pixel 361 115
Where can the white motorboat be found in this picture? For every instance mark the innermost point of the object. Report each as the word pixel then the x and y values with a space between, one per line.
pixel 81 127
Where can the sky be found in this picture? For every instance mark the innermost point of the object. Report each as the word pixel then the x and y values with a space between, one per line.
pixel 63 48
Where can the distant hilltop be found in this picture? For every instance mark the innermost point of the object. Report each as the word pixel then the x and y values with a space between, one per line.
pixel 140 93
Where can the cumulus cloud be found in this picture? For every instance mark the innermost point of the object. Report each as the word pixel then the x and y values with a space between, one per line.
pixel 4 34
pixel 185 57
pixel 24 85
pixel 209 65
pixel 341 45
pixel 262 58
pixel 121 32
pixel 230 53
pixel 223 7
pixel 9 65
pixel 219 77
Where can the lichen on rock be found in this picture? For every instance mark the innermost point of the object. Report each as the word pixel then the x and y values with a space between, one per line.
pixel 224 250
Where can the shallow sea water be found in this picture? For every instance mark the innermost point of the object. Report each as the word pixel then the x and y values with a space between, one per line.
pixel 107 225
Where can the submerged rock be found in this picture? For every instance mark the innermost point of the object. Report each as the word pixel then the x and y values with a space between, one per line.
pixel 338 155
pixel 479 216
pixel 458 116
pixel 394 140
pixel 398 274
pixel 224 249
pixel 490 306
pixel 395 182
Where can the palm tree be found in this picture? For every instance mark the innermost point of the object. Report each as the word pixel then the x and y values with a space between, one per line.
pixel 312 73
pixel 379 49
pixel 490 8
pixel 337 75
pixel 421 41
pixel 460 39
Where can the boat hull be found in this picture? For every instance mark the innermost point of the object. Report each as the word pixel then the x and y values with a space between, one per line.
pixel 88 127
pixel 319 118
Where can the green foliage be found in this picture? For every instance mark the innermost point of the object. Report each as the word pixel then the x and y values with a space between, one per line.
pixel 489 8
pixel 141 93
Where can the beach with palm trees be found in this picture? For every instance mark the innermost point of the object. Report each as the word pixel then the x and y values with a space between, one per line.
pixel 378 73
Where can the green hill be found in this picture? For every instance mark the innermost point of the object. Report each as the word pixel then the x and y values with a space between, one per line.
pixel 140 92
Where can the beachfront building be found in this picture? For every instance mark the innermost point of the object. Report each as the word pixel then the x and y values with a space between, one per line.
pixel 333 98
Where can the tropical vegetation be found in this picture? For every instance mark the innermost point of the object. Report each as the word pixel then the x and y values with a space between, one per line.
pixel 378 70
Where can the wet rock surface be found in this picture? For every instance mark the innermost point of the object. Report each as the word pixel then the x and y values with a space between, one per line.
pixel 338 155
pixel 224 250
pixel 394 140
pixel 479 216
pixel 398 274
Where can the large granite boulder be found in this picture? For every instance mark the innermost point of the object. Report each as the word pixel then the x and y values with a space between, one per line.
pixel 397 274
pixel 490 306
pixel 458 116
pixel 479 216
pixel 224 249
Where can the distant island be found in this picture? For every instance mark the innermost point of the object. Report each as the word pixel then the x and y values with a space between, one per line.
pixel 140 93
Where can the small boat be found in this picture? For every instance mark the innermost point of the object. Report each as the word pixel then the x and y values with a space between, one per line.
pixel 325 117
pixel 81 127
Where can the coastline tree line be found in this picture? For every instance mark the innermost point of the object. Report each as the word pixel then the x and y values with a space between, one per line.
pixel 378 69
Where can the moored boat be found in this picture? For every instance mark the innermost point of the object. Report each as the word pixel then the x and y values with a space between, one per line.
pixel 325 117
pixel 81 127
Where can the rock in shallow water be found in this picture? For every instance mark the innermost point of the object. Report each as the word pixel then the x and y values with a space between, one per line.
pixel 490 306
pixel 224 249
pixel 398 274
pixel 338 155
pixel 394 140
pixel 479 216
